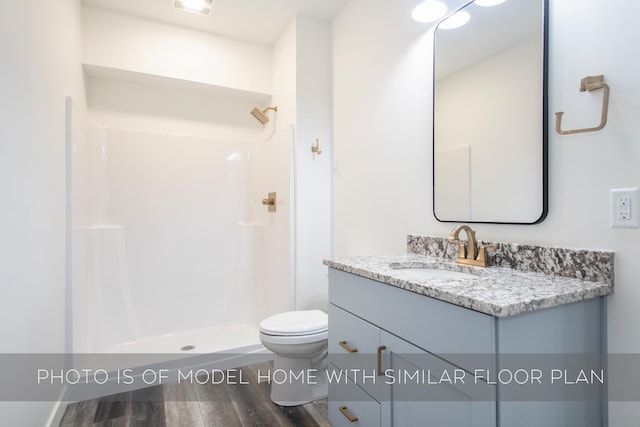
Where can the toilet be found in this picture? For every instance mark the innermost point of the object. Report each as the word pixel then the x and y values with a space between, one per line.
pixel 299 341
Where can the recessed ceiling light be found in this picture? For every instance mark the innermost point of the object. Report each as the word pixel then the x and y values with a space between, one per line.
pixel 456 20
pixel 428 10
pixel 201 7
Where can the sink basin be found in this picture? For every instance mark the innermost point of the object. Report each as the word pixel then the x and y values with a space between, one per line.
pixel 426 272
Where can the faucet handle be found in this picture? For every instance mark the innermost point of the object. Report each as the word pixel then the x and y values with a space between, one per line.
pixel 489 246
pixel 462 245
pixel 483 258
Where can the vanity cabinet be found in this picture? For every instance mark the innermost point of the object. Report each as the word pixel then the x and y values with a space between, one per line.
pixel 392 347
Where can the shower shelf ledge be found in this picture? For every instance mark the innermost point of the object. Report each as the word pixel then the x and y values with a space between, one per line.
pixel 99 71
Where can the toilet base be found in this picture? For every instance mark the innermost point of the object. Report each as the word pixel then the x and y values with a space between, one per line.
pixel 295 382
pixel 318 391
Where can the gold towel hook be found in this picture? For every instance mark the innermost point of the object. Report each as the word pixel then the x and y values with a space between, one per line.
pixel 315 149
pixel 589 83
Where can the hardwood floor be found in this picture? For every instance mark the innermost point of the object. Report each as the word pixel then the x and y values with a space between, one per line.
pixel 196 405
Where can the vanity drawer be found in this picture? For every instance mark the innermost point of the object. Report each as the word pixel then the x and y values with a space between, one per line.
pixel 354 403
pixel 356 357
pixel 434 325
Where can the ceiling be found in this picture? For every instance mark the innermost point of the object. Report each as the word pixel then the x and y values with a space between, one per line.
pixel 257 21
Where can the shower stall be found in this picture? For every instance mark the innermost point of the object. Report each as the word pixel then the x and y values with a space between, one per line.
pixel 171 247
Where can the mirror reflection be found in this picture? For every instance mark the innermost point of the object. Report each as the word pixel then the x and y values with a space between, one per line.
pixel 489 115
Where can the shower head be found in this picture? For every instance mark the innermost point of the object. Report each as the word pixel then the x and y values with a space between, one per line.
pixel 261 114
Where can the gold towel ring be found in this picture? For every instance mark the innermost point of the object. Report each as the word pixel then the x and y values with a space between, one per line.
pixel 589 83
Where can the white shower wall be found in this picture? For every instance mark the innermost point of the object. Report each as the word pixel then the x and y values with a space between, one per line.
pixel 171 237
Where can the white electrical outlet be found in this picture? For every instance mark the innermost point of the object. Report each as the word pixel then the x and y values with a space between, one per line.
pixel 625 207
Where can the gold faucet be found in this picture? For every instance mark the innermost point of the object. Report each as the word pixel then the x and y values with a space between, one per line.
pixel 469 252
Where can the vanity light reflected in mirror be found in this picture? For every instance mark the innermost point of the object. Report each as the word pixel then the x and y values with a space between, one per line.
pixel 456 20
pixel 428 10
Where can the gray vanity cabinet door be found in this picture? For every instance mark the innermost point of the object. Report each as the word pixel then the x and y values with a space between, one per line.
pixel 418 394
pixel 349 400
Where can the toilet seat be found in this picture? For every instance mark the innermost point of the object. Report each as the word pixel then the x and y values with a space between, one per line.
pixel 293 339
pixel 295 323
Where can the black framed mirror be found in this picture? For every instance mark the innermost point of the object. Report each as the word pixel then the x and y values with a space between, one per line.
pixel 490 113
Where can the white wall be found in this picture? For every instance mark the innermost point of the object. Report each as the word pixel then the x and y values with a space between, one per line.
pixel 381 128
pixel 313 174
pixel 149 76
pixel 382 144
pixel 302 92
pixel 40 51
pixel 115 40
pixel 284 81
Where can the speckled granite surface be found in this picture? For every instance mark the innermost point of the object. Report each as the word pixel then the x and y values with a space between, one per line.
pixel 591 265
pixel 496 291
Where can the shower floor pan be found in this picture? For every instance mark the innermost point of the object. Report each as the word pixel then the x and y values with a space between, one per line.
pixel 234 338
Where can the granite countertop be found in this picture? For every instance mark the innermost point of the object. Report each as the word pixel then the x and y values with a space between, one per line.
pixel 497 291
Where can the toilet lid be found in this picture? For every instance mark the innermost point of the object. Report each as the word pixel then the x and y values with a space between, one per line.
pixel 295 323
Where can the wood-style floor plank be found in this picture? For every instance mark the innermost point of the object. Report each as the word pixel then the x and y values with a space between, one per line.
pixel 114 422
pixel 216 407
pixel 197 404
pixel 147 407
pixel 319 410
pixel 181 407
pixel 250 404
pixel 113 410
pixel 79 414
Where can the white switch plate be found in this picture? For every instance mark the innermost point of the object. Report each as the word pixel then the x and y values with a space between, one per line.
pixel 625 207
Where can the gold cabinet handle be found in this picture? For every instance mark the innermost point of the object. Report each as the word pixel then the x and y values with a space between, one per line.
pixel 344 345
pixel 379 354
pixel 345 412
